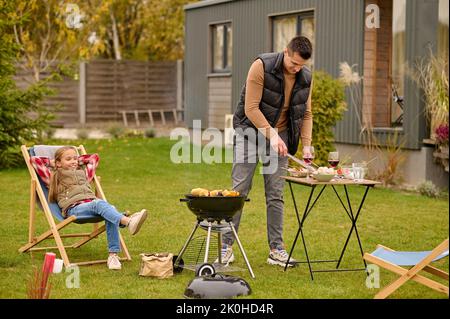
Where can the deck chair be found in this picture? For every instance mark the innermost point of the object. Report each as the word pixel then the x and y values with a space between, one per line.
pixel 418 261
pixel 53 212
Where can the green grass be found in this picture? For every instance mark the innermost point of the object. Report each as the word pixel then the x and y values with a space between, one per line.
pixel 138 173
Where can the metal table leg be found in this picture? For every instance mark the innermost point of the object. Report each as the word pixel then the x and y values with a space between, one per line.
pixel 301 222
pixel 354 219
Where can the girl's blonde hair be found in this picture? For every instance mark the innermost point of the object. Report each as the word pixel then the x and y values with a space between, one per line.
pixel 52 192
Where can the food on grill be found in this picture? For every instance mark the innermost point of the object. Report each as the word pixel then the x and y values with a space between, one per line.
pixel 200 192
pixel 216 192
pixel 228 193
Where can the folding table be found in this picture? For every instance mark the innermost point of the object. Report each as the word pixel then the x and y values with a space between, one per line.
pixel 312 183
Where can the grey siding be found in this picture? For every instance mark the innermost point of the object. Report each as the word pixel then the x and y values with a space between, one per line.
pixel 219 101
pixel 421 33
pixel 339 37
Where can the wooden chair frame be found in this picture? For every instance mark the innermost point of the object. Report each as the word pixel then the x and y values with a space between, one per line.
pixel 412 273
pixel 53 232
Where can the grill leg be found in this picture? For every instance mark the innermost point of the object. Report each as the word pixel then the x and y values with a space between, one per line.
pixel 242 250
pixel 180 254
pixel 208 239
pixel 219 246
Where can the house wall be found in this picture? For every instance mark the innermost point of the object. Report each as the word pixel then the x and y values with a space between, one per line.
pixel 339 38
pixel 219 101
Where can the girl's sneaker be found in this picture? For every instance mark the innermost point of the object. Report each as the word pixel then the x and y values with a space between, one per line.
pixel 136 221
pixel 114 262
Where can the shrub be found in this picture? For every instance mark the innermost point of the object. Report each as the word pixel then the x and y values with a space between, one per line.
pixel 428 189
pixel 82 133
pixel 116 130
pixel 133 133
pixel 150 132
pixel 393 156
pixel 328 106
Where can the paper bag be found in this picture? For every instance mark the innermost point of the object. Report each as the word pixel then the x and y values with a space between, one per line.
pixel 157 265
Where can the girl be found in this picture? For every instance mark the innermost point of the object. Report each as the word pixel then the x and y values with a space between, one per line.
pixel 70 188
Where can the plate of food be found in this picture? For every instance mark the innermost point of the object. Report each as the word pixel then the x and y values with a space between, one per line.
pixel 297 172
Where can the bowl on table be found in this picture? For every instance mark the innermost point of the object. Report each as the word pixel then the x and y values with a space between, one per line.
pixel 324 174
pixel 322 177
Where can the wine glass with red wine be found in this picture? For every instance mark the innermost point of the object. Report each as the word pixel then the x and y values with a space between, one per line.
pixel 308 157
pixel 333 159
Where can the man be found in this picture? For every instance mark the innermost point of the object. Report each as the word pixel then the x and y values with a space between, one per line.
pixel 275 102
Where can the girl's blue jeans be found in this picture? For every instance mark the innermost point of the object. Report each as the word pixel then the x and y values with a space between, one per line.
pixel 99 207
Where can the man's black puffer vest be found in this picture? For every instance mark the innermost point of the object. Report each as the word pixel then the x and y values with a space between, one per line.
pixel 272 100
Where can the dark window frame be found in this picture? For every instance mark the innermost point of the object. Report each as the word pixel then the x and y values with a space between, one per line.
pixel 299 15
pixel 225 67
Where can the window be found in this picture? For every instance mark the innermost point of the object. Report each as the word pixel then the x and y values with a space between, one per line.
pixel 286 27
pixel 385 67
pixel 222 47
pixel 398 60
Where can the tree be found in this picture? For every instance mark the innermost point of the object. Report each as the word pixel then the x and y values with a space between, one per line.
pixel 51 33
pixel 22 117
pixel 144 29
pixel 165 37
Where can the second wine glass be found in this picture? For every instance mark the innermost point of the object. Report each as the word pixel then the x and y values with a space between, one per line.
pixel 333 159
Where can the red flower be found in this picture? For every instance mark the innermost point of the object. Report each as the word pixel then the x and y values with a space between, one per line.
pixel 442 134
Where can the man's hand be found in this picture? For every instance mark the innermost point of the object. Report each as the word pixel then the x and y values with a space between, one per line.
pixel 306 150
pixel 278 145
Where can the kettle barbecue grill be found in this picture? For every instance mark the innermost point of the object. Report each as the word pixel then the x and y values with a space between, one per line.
pixel 214 214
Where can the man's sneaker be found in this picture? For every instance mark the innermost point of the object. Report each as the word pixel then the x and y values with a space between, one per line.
pixel 227 255
pixel 136 221
pixel 280 257
pixel 114 262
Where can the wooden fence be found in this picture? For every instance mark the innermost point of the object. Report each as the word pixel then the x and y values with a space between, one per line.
pixel 104 88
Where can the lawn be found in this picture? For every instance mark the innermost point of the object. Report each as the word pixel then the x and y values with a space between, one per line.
pixel 137 173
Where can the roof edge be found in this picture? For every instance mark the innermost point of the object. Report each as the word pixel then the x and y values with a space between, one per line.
pixel 204 3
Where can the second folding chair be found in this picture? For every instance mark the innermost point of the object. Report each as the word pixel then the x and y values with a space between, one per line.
pixel 417 260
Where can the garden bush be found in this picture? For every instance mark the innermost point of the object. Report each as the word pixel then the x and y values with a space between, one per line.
pixel 116 130
pixel 328 106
